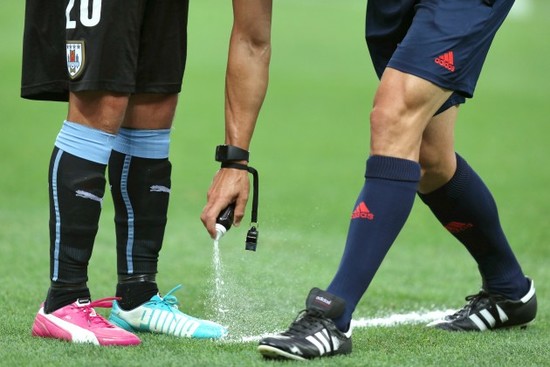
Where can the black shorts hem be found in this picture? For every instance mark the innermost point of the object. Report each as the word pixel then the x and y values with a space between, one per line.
pixel 56 91
pixel 117 87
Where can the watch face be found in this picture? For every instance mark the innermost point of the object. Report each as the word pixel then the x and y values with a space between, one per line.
pixel 230 153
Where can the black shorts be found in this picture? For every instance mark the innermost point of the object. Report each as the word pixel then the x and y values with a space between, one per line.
pixel 443 41
pixel 126 46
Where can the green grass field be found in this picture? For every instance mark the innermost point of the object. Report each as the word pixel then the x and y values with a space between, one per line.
pixel 310 147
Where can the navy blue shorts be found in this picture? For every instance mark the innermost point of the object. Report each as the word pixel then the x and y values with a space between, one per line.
pixel 443 41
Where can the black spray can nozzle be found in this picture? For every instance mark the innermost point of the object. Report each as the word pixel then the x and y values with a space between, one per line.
pixel 225 220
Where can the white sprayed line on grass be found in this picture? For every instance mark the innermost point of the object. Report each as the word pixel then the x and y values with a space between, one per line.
pixel 397 319
pixel 388 321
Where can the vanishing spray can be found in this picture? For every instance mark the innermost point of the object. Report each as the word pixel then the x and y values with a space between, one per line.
pixel 224 221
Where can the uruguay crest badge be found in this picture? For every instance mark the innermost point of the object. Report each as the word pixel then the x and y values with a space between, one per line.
pixel 76 56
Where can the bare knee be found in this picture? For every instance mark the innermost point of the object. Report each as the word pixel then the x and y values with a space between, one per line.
pixel 403 106
pixel 437 169
pixel 437 153
pixel 101 110
pixel 396 131
pixel 151 111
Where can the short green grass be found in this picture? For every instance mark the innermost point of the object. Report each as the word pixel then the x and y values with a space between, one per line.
pixel 310 148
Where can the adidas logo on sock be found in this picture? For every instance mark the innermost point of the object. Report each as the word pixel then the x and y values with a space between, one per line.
pixel 457 227
pixel 362 211
pixel 446 60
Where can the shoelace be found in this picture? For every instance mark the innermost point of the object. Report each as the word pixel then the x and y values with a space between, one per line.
pixel 472 300
pixel 305 321
pixel 93 317
pixel 170 301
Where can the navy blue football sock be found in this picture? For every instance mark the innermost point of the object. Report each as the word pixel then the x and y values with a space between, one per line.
pixel 468 211
pixel 381 210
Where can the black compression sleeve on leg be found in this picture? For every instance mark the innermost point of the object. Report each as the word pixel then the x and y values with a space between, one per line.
pixel 141 191
pixel 76 189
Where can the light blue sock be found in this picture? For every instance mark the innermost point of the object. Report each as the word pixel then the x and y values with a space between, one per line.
pixel 85 142
pixel 152 144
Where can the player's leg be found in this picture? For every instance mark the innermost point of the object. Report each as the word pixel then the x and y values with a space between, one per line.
pixel 77 186
pixel 140 175
pixel 464 204
pixel 76 189
pixel 403 106
pixel 465 207
pixel 83 146
pixel 81 153
pixel 140 178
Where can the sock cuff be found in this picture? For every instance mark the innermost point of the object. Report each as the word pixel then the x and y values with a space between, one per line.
pixel 85 142
pixel 151 144
pixel 391 168
pixel 452 189
pixel 455 187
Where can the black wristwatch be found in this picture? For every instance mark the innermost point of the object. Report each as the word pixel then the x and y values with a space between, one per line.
pixel 231 153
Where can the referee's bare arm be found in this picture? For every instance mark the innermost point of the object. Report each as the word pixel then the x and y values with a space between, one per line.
pixel 245 89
